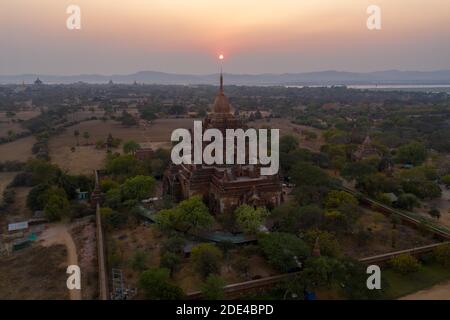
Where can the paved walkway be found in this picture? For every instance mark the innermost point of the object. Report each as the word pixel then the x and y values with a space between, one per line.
pixel 59 234
pixel 438 292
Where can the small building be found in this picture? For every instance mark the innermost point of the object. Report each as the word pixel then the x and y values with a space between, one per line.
pixel 82 195
pixel 144 154
pixel 18 226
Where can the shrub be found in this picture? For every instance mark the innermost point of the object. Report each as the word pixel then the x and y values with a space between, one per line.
pixel 212 289
pixel 404 264
pixel 206 258
pixel 157 286
pixel 442 255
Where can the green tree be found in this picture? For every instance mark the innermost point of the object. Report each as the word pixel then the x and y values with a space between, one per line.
pixel 322 271
pixel 407 201
pixel 56 207
pixel 337 199
pixel 328 244
pixel 357 170
pixel 156 284
pixel 193 215
pixel 288 143
pixel 250 219
pixel 113 198
pixel 170 261
pixel 206 258
pixel 131 146
pixel 138 188
pixel 37 197
pixel 446 180
pixel 284 251
pixel 124 165
pixel 42 171
pixel 442 254
pixel 212 288
pixel 414 153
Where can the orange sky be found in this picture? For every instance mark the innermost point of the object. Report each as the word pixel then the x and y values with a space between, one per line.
pixel 256 36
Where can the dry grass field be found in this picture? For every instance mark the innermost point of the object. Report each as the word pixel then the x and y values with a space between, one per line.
pixel 383 238
pixel 287 127
pixel 5 127
pixel 7 124
pixel 34 273
pixel 5 179
pixel 86 158
pixel 148 239
pixel 22 115
pixel 19 150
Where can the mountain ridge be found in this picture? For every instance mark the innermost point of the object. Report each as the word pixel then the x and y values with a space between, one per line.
pixel 326 77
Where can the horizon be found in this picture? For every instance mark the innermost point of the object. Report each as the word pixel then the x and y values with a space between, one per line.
pixel 224 73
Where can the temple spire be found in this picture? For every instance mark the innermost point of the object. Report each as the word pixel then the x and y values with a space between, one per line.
pixel 221 73
pixel 221 80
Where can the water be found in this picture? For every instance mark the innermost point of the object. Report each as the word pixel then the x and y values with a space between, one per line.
pixel 432 88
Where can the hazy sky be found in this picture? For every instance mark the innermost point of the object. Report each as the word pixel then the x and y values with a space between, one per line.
pixel 256 36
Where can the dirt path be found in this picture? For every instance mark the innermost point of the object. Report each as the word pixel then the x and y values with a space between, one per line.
pixel 59 234
pixel 438 292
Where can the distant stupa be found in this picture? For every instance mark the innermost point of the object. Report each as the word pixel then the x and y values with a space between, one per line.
pixel 38 82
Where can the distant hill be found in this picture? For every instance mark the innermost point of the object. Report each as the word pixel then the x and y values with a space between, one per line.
pixel 310 78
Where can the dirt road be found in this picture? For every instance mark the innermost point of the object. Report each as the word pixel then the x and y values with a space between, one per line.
pixel 438 292
pixel 59 234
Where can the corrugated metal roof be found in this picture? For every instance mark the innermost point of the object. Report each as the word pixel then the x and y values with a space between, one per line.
pixel 18 226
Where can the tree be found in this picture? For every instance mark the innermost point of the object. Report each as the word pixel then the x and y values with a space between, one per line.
pixel 407 201
pixel 113 198
pixel 138 188
pixel 376 183
pixel 57 206
pixel 357 170
pixel 131 146
pixel 442 254
pixel 155 282
pixel 283 250
pixel 37 197
pixel 312 183
pixel 250 219
pixel 212 288
pixel 192 215
pixel 76 133
pixel 354 280
pixel 414 153
pixel 404 263
pixel 174 244
pixel 170 261
pixel 86 136
pixel 337 199
pixel 42 171
pixel 124 165
pixel 206 258
pixel 435 213
pixel 322 271
pixel 288 143
pixel 328 244
pixel 446 180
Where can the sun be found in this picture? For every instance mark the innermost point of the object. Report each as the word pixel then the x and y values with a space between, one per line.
pixel 221 57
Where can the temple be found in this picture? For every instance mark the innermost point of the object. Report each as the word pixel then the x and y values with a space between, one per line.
pixel 223 187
